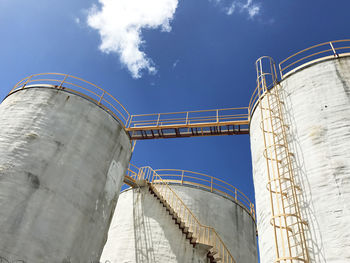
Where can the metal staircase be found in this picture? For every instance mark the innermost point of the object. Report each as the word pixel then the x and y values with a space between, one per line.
pixel 288 225
pixel 196 233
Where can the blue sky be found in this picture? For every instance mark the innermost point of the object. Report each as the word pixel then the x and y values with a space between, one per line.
pixel 204 59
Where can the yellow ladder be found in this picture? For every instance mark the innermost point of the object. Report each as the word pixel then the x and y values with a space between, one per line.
pixel 288 225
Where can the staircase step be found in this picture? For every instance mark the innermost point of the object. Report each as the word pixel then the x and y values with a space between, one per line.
pixel 216 260
pixel 185 230
pixel 212 252
pixel 204 246
pixel 193 240
pixel 182 224
pixel 189 234
pixel 177 220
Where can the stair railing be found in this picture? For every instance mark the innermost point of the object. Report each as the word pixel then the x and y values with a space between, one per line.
pixel 203 234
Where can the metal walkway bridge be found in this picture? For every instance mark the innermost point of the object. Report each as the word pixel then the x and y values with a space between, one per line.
pixel 229 121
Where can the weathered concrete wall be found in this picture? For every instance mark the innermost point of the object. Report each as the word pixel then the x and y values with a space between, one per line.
pixel 62 161
pixel 142 231
pixel 317 108
pixel 147 232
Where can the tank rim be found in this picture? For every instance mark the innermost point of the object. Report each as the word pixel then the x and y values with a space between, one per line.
pixel 54 87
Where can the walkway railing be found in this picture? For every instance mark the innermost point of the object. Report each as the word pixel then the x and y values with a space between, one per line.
pixel 80 87
pixel 188 118
pixel 210 183
pixel 189 123
pixel 204 234
pixel 321 51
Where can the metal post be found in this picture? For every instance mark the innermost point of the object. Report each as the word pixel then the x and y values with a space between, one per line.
pixel 27 81
pixel 158 119
pixel 60 86
pixel 182 177
pixel 130 121
pixel 127 121
pixel 280 68
pixel 334 52
pixel 101 97
pixel 211 185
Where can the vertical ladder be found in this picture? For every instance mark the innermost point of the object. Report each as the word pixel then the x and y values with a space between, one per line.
pixel 288 225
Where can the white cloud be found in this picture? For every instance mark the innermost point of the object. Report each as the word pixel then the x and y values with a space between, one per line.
pixel 120 24
pixel 231 9
pixel 175 63
pixel 252 9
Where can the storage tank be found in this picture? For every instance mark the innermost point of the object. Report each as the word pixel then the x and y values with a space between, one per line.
pixel 63 156
pixel 144 230
pixel 300 141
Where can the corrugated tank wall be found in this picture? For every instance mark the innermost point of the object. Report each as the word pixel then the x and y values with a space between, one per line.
pixel 62 163
pixel 316 104
pixel 143 231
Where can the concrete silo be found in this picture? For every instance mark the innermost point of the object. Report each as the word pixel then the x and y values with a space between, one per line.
pixel 63 156
pixel 145 229
pixel 300 140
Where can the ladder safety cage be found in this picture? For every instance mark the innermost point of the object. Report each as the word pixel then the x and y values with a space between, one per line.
pixel 288 225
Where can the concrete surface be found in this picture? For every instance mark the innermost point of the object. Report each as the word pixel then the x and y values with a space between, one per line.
pixel 62 161
pixel 147 233
pixel 317 108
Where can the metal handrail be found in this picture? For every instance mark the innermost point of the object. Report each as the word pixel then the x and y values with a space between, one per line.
pixel 80 87
pixel 188 118
pixel 133 172
pixel 326 50
pixel 300 59
pixel 204 234
pixel 210 183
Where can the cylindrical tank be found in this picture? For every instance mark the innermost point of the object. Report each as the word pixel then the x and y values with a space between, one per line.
pixel 62 163
pixel 143 231
pixel 316 103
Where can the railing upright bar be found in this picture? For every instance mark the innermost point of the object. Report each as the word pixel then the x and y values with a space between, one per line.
pixel 280 69
pixel 334 52
pixel 158 120
pixel 27 81
pixel 65 77
pixel 101 97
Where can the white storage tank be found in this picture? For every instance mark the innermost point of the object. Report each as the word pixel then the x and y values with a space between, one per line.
pixel 62 162
pixel 315 102
pixel 142 230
